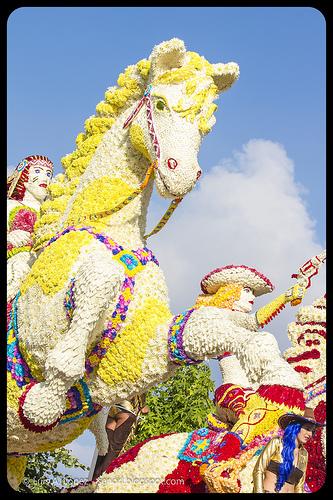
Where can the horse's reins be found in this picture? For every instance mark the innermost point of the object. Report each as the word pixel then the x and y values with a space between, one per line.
pixel 146 99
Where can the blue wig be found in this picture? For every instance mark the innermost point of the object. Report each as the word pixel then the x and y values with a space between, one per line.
pixel 289 445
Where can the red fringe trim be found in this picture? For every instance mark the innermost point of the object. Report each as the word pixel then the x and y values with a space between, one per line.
pixel 302 369
pixel 321 323
pixel 275 313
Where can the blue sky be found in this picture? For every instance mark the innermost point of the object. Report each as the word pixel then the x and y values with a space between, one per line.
pixel 61 61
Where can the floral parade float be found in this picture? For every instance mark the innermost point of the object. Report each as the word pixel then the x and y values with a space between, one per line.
pixel 89 325
pixel 219 457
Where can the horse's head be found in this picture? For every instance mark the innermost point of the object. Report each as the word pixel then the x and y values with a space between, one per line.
pixel 179 112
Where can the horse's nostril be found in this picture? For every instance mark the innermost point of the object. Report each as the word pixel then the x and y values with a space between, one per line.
pixel 172 163
pixel 199 174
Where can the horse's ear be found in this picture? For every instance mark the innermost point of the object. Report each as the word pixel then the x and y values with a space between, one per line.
pixel 224 75
pixel 166 56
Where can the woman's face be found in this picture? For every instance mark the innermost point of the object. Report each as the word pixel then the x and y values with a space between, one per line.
pixel 39 178
pixel 245 301
pixel 306 433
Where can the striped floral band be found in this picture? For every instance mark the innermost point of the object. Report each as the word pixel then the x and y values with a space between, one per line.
pixel 177 353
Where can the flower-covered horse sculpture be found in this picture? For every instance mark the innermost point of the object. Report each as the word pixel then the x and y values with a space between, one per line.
pixel 90 323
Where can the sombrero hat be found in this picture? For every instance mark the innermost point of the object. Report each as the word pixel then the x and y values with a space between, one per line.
pixel 240 275
pixel 292 418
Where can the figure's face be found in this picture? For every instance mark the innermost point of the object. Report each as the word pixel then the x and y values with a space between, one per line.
pixel 245 301
pixel 306 433
pixel 39 179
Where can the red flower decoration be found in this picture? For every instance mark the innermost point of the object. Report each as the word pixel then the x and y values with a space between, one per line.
pixel 24 220
pixel 316 469
pixel 282 394
pixel 185 478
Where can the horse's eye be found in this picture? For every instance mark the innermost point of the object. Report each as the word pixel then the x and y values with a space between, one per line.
pixel 160 105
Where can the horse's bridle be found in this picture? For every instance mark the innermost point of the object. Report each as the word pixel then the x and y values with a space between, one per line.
pixel 146 99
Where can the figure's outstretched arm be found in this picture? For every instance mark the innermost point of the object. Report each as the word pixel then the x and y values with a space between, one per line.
pixel 266 313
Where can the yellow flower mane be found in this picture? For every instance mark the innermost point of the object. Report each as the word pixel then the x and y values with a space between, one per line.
pixel 131 85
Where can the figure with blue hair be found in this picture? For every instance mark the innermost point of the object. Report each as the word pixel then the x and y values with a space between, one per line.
pixel 281 467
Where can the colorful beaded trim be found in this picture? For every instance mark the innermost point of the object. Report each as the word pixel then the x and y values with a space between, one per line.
pixel 130 259
pixel 79 403
pixel 16 365
pixel 176 350
pixel 112 327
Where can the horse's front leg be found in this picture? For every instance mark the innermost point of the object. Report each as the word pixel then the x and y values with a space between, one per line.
pixel 97 283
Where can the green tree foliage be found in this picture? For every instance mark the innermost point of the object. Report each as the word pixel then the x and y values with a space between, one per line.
pixel 179 405
pixel 42 474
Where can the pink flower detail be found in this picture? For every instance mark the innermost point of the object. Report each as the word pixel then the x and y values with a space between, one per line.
pixel 24 220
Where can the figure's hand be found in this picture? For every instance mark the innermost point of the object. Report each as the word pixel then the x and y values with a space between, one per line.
pixel 18 237
pixel 295 294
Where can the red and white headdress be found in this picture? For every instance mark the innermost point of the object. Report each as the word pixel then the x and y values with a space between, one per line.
pixel 239 275
pixel 15 182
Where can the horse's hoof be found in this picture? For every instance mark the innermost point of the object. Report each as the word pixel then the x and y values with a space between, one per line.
pixel 39 408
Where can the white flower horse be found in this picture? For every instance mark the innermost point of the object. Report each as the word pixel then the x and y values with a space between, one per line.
pixel 90 323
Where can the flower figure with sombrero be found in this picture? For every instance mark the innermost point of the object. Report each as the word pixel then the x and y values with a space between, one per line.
pixel 281 467
pixel 233 288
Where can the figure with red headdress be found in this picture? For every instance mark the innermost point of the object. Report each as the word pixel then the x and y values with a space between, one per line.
pixel 26 190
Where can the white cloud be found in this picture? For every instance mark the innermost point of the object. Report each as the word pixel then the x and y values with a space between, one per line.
pixel 246 210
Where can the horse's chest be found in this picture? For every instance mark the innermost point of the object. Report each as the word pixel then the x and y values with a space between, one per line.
pixel 148 309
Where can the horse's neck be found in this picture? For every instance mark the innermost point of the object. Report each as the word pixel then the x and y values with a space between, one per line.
pixel 116 158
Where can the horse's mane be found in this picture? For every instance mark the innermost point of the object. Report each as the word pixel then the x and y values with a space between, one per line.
pixel 131 85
